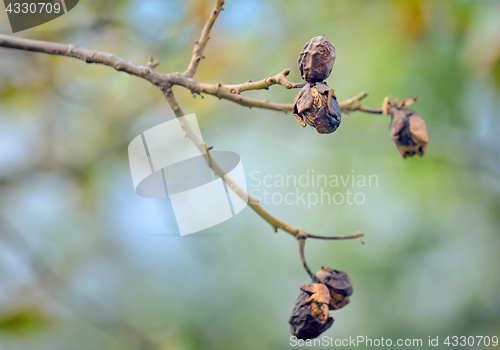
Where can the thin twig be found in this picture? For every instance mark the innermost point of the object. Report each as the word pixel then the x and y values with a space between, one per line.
pixel 252 102
pixel 354 104
pixel 353 236
pixel 202 42
pixel 214 89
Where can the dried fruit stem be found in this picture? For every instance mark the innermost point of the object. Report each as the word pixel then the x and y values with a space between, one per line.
pixel 302 243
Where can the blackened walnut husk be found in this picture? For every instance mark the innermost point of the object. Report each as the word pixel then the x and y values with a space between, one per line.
pixel 316 59
pixel 317 106
pixel 408 130
pixel 338 285
pixel 310 314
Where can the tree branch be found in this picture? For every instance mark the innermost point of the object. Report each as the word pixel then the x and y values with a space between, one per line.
pixel 223 91
pixel 202 42
pixel 165 82
pixel 350 105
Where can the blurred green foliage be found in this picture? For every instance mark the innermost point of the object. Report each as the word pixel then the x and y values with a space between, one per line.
pixel 23 321
pixel 430 264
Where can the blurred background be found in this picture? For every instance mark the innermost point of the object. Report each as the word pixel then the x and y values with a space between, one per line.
pixel 85 263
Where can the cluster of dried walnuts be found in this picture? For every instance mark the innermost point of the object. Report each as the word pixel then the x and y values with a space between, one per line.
pixel 310 316
pixel 316 103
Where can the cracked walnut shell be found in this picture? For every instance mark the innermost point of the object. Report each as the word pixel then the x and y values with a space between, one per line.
pixel 310 314
pixel 317 106
pixel 408 129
